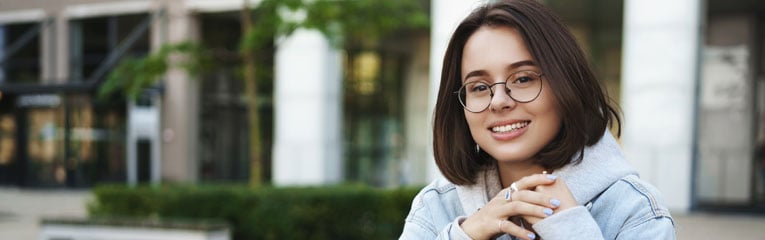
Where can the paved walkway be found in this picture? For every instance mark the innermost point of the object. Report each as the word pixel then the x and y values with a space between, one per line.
pixel 21 210
pixel 719 226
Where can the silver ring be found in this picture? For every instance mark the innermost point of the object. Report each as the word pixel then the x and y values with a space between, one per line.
pixel 513 187
pixel 499 226
pixel 509 193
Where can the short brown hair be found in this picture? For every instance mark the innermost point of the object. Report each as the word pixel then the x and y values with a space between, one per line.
pixel 581 101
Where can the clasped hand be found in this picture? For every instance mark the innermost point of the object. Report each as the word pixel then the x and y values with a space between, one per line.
pixel 532 198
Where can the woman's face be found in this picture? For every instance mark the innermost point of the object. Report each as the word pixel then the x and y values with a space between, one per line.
pixel 507 130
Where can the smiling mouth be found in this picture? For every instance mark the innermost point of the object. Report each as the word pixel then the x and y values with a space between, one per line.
pixel 510 127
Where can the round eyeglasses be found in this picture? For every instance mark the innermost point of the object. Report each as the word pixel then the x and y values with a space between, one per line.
pixel 522 86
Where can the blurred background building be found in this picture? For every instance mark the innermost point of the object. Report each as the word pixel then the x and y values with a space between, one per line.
pixel 688 76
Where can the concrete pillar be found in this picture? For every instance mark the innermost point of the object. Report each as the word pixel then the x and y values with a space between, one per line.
pixel 308 146
pixel 659 72
pixel 49 36
pixel 417 118
pixel 180 111
pixel 445 16
pixel 60 66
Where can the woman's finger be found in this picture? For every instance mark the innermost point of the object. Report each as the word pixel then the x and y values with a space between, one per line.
pixel 532 181
pixel 509 227
pixel 515 208
pixel 536 198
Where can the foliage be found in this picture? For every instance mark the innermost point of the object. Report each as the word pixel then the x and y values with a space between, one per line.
pixel 347 23
pixel 132 75
pixel 335 212
pixel 361 23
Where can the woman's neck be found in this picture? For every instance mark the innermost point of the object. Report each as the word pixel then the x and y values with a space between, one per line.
pixel 514 171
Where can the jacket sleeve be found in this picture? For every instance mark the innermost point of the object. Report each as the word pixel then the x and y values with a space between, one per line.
pixel 418 230
pixel 629 210
pixel 428 219
pixel 652 228
pixel 577 223
pixel 574 223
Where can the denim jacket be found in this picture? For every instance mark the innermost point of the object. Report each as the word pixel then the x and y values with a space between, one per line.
pixel 613 203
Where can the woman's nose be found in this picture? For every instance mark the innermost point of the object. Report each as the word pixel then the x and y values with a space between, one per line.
pixel 501 99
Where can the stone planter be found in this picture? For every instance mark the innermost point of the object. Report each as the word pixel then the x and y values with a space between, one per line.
pixel 131 229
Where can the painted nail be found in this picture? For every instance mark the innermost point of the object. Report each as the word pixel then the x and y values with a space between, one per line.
pixel 555 202
pixel 548 211
pixel 507 195
pixel 551 177
pixel 532 236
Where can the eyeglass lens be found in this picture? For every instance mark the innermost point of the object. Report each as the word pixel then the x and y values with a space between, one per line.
pixel 523 86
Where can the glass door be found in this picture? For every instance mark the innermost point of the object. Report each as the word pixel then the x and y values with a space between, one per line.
pixel 9 174
pixel 728 169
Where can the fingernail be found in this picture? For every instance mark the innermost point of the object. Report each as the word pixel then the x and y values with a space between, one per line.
pixel 551 177
pixel 548 211
pixel 555 202
pixel 532 236
pixel 507 195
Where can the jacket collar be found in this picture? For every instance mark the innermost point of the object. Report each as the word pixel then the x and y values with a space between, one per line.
pixel 602 165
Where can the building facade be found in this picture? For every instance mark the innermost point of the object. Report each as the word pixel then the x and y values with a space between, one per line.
pixel 688 77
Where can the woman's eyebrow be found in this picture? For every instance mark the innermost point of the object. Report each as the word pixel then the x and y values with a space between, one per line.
pixel 476 73
pixel 514 65
pixel 521 64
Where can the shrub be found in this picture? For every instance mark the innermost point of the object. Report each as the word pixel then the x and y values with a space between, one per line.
pixel 334 212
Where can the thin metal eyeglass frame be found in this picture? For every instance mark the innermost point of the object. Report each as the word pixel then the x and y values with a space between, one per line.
pixel 508 90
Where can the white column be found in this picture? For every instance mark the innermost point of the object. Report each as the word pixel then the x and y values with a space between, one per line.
pixel 659 75
pixel 308 146
pixel 417 127
pixel 180 103
pixel 445 16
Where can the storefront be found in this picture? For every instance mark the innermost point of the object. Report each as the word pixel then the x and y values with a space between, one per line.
pixel 54 138
pixel 58 132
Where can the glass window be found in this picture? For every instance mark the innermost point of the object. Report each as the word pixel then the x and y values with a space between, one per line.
pixel 373 121
pixel 726 132
pixel 7 139
pixel 107 139
pixel 45 146
pixel 20 53
pixel 224 152
pixel 71 140
pixel 93 39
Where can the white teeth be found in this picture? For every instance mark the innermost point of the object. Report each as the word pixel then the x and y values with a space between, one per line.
pixel 511 127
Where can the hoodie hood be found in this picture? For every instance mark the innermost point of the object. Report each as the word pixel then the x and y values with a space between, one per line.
pixel 602 165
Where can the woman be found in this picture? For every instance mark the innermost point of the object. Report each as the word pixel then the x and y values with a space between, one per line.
pixel 521 136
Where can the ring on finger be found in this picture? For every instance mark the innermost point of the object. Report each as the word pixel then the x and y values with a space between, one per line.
pixel 499 226
pixel 509 193
pixel 514 187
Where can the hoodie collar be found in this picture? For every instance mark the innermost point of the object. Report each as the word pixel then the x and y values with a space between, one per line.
pixel 602 165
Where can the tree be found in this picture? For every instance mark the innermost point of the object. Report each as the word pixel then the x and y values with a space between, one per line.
pixel 348 24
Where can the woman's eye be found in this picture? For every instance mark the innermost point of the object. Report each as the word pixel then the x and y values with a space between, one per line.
pixel 523 79
pixel 479 88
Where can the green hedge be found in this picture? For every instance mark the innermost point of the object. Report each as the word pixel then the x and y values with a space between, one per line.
pixel 336 212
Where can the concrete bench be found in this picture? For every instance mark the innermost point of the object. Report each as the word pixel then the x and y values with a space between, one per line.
pixel 131 229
